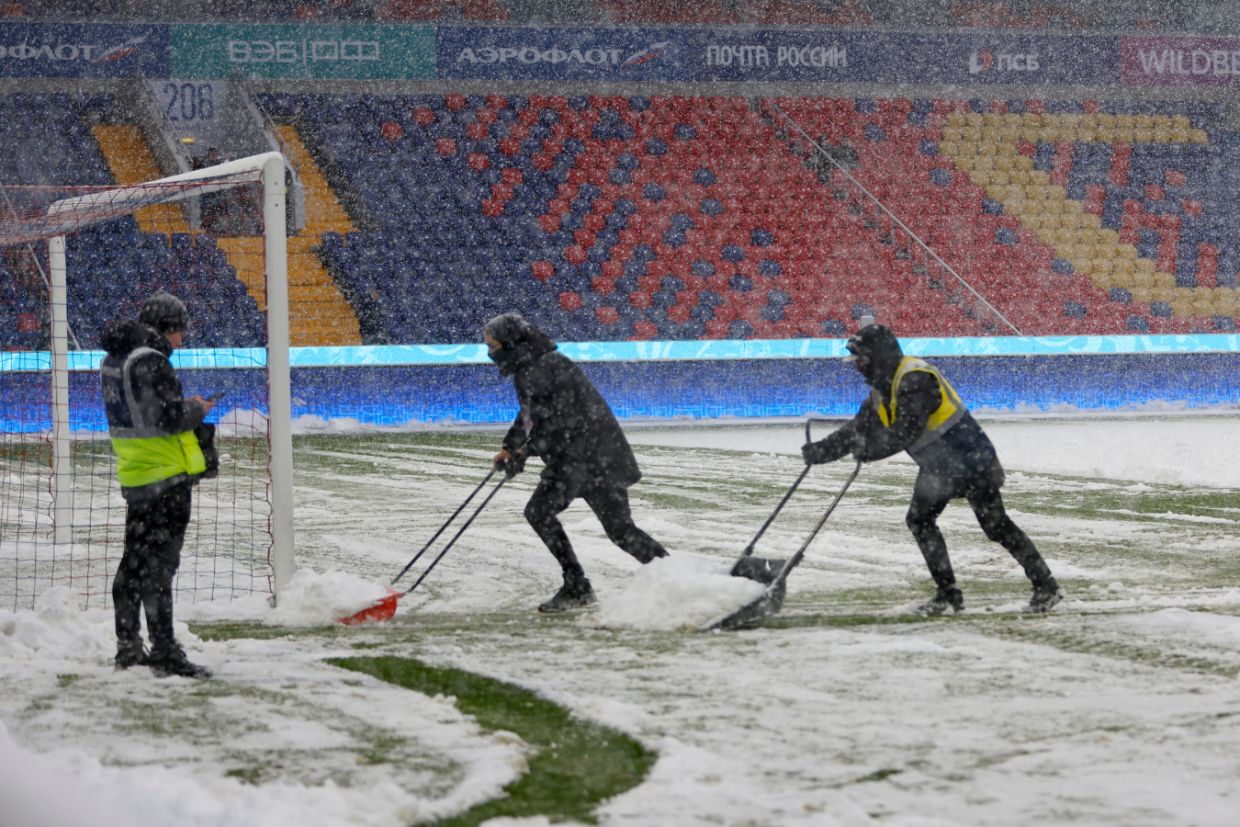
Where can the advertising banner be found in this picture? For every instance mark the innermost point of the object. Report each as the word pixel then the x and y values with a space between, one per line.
pixel 824 56
pixel 303 51
pixel 565 54
pixel 1180 61
pixel 83 50
pixel 773 55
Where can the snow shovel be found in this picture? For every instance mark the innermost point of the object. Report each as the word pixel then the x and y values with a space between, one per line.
pixel 385 608
pixel 772 599
pixel 761 569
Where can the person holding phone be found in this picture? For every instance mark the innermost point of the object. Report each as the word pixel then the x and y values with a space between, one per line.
pixel 159 457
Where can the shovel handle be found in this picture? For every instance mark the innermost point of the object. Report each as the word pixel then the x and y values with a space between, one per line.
pixel 788 495
pixel 809 423
pixel 458 534
pixel 443 527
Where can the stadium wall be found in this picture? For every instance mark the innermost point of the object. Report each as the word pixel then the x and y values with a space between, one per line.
pixel 445 385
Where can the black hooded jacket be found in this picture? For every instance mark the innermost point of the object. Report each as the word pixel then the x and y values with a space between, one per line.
pixel 158 404
pixel 567 422
pixel 963 452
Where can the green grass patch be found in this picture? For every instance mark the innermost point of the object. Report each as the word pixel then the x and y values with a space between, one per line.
pixel 250 630
pixel 576 765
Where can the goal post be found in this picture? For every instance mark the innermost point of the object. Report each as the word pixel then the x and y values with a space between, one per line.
pixel 48 536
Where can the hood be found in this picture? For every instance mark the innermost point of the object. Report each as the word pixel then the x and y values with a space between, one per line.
pixel 120 338
pixel 520 342
pixel 877 353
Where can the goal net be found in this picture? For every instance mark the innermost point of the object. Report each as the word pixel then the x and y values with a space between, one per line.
pixel 73 259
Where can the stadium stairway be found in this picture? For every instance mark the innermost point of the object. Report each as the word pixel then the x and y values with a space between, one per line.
pixel 50 151
pixel 318 313
pixel 318 297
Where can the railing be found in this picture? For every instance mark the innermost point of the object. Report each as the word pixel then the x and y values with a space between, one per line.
pixel 986 313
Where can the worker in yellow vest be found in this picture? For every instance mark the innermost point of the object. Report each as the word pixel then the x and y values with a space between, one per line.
pixel 913 408
pixel 158 460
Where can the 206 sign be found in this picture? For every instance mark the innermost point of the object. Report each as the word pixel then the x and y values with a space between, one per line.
pixel 185 102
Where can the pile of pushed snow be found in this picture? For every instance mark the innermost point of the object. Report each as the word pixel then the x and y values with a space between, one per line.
pixel 314 599
pixel 57 629
pixel 1202 627
pixel 675 593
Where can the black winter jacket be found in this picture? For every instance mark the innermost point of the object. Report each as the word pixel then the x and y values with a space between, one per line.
pixel 962 453
pixel 158 403
pixel 569 424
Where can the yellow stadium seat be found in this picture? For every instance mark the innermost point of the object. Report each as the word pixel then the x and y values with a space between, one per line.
pixel 1032 221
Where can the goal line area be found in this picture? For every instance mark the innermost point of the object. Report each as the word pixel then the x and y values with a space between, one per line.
pixel 73 260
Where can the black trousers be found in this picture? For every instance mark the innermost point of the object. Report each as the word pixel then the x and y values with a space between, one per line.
pixel 609 503
pixel 931 493
pixel 154 534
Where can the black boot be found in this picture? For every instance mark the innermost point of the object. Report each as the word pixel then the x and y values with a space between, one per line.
pixel 171 661
pixel 1045 596
pixel 576 593
pixel 945 598
pixel 131 654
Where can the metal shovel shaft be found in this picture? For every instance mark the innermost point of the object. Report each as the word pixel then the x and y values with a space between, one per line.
pixel 443 527
pixel 761 607
pixel 385 608
pixel 458 534
pixel 792 561
pixel 780 507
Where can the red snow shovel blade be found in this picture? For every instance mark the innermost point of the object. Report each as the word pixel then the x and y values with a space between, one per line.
pixel 382 610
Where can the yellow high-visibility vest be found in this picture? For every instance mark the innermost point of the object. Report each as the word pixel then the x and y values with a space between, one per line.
pixel 950 410
pixel 144 454
pixel 145 460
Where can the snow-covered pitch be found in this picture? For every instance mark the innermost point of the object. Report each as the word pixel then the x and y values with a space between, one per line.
pixel 1122 707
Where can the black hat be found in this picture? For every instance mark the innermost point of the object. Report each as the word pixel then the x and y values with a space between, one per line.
pixel 880 350
pixel 164 312
pixel 870 340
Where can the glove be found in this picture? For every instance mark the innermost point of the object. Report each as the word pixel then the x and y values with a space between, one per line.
pixel 814 453
pixel 515 464
pixel 858 447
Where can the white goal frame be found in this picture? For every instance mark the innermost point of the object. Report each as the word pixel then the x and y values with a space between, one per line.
pixel 78 212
